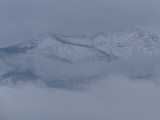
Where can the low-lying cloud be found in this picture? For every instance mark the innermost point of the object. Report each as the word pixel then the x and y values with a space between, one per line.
pixel 125 89
pixel 113 98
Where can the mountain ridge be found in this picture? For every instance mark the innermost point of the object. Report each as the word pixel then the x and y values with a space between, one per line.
pixel 77 50
pixel 104 45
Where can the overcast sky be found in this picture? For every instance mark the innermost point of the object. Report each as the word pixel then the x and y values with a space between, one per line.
pixel 21 20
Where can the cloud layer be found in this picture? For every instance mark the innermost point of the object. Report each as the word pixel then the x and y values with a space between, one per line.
pixel 114 98
pixel 126 89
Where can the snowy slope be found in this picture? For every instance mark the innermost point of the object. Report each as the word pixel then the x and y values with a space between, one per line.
pixel 91 47
pixel 81 49
pixel 122 43
pixel 53 47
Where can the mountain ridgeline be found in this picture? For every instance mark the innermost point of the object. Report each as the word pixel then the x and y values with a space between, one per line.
pixel 79 49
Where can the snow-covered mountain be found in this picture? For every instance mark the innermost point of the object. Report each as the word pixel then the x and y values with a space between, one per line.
pixel 90 47
pixel 85 48
pixel 59 48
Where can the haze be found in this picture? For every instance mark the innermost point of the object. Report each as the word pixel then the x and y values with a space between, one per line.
pixel 22 20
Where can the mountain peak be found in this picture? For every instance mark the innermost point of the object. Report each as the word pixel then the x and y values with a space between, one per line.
pixel 91 47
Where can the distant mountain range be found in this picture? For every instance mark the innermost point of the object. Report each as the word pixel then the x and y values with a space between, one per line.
pixel 77 49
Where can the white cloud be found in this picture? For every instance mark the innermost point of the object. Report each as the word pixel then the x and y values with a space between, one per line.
pixel 114 97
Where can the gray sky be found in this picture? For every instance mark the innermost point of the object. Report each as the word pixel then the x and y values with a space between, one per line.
pixel 22 20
